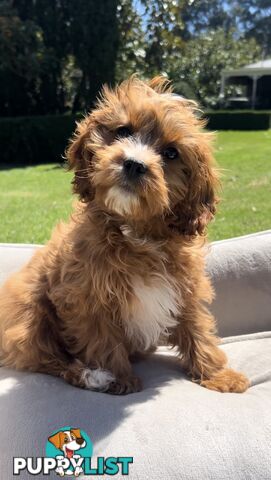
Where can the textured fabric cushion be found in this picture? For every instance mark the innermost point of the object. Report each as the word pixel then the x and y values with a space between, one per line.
pixel 13 256
pixel 174 428
pixel 240 269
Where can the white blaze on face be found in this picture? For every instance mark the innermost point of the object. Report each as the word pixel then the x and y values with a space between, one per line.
pixel 120 200
pixel 136 150
pixel 71 445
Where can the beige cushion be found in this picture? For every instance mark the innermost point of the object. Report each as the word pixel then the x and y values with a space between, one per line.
pixel 174 429
pixel 240 269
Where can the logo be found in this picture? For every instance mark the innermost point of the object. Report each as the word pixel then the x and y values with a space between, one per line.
pixel 69 447
pixel 69 452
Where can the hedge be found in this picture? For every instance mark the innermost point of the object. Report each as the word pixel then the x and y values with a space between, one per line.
pixel 34 140
pixel 236 120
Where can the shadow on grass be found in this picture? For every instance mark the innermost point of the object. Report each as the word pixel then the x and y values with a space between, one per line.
pixel 14 165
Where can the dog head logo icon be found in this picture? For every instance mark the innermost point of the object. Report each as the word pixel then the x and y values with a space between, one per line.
pixel 70 446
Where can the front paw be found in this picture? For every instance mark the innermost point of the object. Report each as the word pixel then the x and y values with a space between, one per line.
pixel 227 380
pixel 125 385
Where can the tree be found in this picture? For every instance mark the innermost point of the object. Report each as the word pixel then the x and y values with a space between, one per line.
pixel 21 47
pixel 52 18
pixel 163 33
pixel 254 18
pixel 203 60
pixel 94 39
pixel 47 46
pixel 201 16
pixel 131 51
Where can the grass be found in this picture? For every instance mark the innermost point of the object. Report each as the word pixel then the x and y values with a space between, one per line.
pixel 34 199
pixel 245 207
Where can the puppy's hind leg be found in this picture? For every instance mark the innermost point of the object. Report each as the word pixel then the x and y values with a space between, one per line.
pixel 32 341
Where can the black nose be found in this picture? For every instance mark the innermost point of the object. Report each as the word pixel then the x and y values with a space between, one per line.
pixel 80 441
pixel 134 169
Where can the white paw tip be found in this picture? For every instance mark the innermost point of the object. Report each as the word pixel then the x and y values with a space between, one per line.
pixel 96 379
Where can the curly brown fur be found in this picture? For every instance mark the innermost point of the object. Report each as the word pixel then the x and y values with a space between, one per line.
pixel 127 271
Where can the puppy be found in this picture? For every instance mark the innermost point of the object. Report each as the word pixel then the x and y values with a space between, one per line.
pixel 127 272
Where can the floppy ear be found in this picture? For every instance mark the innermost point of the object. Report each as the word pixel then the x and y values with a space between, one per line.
pixel 193 214
pixel 56 439
pixel 203 203
pixel 76 432
pixel 79 159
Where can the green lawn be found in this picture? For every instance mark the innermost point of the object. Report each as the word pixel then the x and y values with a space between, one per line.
pixel 245 207
pixel 34 199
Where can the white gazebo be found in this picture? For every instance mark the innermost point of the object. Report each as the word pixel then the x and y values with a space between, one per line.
pixel 256 77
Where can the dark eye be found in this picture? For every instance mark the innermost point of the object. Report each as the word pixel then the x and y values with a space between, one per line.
pixel 66 440
pixel 123 132
pixel 170 153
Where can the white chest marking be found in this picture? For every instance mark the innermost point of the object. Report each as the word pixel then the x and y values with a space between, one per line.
pixel 152 311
